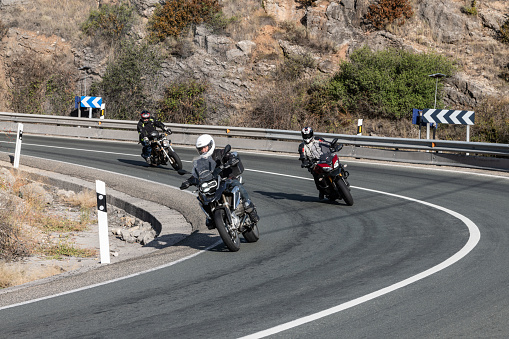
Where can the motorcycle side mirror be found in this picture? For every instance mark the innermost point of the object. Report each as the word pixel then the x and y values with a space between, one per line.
pixel 227 148
pixel 334 141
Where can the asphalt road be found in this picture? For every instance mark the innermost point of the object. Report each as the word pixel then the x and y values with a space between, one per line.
pixel 422 253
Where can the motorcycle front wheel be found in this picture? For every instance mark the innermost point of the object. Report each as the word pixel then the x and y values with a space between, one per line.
pixel 344 191
pixel 174 160
pixel 252 235
pixel 230 238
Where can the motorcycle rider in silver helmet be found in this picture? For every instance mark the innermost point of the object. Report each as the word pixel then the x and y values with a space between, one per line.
pixel 206 148
pixel 310 151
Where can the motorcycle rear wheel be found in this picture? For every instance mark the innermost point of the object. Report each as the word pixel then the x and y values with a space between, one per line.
pixel 230 239
pixel 252 235
pixel 174 160
pixel 344 191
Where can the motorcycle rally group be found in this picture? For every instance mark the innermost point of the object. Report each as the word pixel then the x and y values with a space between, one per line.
pixel 217 173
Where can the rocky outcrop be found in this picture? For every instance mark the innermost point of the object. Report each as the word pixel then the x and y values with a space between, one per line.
pixel 235 69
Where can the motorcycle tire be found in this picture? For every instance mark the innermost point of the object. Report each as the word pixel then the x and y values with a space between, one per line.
pixel 230 239
pixel 174 160
pixel 252 235
pixel 344 192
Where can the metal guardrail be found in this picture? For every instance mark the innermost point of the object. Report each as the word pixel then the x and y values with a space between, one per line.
pixel 439 152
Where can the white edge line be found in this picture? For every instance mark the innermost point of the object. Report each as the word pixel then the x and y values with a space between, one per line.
pixel 471 243
pixel 345 159
pixel 113 280
pixel 473 239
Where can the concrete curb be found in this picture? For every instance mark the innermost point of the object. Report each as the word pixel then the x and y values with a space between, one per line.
pixel 172 214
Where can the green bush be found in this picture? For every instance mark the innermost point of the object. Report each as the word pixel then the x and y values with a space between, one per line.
pixel 128 76
pixel 174 16
pixel 387 83
pixel 470 10
pixel 110 21
pixel 184 103
pixel 385 12
pixel 41 85
pixel 492 121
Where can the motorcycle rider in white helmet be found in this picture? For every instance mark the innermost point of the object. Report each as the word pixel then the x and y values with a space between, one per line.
pixel 207 148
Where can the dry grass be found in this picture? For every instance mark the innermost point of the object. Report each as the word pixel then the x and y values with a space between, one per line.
pixel 13 275
pixel 83 199
pixel 250 17
pixel 59 17
pixel 27 223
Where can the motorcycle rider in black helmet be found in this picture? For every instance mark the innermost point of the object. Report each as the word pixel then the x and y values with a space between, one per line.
pixel 146 125
pixel 207 148
pixel 310 151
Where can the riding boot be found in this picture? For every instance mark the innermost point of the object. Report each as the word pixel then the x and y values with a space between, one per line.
pixel 250 209
pixel 321 195
pixel 210 224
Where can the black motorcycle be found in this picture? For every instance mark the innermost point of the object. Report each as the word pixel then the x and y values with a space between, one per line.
pixel 223 200
pixel 162 152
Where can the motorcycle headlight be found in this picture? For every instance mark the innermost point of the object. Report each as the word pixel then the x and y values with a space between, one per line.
pixel 327 169
pixel 208 186
pixel 166 143
pixel 335 165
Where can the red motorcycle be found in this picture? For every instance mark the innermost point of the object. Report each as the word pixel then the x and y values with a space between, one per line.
pixel 332 176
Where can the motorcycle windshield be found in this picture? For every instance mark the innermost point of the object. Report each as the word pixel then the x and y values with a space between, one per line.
pixel 326 157
pixel 203 168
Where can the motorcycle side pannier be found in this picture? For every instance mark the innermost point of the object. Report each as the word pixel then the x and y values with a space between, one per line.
pixel 237 169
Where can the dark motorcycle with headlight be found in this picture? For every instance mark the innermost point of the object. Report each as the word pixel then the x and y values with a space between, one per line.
pixel 162 152
pixel 224 200
pixel 333 175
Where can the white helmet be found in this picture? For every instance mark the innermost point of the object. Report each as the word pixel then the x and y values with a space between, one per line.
pixel 203 141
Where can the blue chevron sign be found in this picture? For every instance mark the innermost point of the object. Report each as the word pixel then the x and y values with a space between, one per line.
pixel 94 102
pixel 444 116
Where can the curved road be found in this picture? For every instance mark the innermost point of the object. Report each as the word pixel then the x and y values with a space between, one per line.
pixel 422 253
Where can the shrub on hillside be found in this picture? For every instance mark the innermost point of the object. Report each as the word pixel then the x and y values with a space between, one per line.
pixel 110 21
pixel 128 76
pixel 386 12
pixel 470 10
pixel 184 103
pixel 170 19
pixel 41 85
pixel 387 83
pixel 492 122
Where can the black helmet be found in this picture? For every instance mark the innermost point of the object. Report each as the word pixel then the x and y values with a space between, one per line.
pixel 307 134
pixel 145 115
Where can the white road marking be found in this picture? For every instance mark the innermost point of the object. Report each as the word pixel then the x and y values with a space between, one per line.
pixel 474 238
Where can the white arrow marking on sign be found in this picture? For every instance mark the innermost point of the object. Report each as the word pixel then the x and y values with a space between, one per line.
pixel 95 102
pixel 454 117
pixel 467 116
pixel 427 116
pixel 84 102
pixel 440 116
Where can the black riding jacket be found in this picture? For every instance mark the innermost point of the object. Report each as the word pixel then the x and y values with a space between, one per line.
pixel 145 128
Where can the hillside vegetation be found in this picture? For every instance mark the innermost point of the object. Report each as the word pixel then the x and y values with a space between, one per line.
pixel 254 67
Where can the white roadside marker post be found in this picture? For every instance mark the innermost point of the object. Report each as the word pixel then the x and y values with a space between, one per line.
pixel 102 217
pixel 359 127
pixel 17 151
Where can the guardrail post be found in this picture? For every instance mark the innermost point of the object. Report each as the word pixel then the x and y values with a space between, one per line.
pixel 102 217
pixel 17 151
